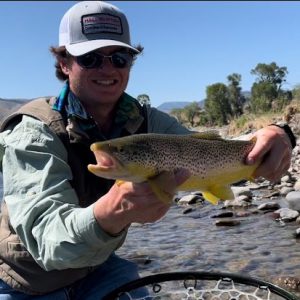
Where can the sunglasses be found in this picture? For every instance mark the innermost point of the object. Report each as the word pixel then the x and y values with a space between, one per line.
pixel 92 60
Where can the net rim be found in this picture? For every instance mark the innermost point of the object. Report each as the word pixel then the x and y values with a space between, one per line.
pixel 171 276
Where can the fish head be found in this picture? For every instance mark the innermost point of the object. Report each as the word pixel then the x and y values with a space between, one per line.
pixel 121 158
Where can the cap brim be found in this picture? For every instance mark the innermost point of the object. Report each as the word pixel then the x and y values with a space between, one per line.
pixel 88 46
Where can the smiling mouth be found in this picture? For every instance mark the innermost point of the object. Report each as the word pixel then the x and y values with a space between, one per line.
pixel 105 82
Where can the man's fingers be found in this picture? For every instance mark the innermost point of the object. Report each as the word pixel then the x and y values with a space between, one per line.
pixel 181 176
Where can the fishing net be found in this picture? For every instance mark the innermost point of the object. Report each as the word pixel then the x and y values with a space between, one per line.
pixel 200 285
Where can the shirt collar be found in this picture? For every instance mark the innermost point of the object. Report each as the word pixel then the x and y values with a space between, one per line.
pixel 127 114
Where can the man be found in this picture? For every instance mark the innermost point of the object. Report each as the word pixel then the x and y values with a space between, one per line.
pixel 60 224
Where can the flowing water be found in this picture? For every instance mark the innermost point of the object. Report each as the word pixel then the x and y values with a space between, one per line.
pixel 260 246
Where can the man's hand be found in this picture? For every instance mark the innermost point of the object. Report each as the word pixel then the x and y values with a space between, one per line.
pixel 273 148
pixel 129 202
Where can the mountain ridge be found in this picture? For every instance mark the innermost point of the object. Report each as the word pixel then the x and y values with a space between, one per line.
pixel 169 106
pixel 7 106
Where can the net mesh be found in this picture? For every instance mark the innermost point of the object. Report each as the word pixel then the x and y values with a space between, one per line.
pixel 192 289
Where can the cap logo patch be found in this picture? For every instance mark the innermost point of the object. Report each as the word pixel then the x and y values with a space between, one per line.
pixel 101 23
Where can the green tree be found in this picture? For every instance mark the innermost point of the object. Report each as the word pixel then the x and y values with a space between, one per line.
pixel 178 114
pixel 192 111
pixel 203 118
pixel 217 104
pixel 236 99
pixel 262 95
pixel 270 73
pixel 296 92
pixel 143 99
pixel 267 91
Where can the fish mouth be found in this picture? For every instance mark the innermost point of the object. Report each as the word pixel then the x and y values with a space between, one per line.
pixel 104 162
pixel 107 166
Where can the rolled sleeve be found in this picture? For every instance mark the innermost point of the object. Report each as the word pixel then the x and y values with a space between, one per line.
pixel 43 207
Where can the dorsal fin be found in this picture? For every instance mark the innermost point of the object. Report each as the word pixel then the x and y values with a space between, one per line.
pixel 207 135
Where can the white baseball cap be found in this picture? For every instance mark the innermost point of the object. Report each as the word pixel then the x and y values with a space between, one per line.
pixel 90 25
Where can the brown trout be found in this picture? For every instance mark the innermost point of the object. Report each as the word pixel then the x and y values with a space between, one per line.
pixel 213 162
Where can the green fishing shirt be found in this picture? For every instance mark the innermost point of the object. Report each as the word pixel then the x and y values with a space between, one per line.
pixel 43 207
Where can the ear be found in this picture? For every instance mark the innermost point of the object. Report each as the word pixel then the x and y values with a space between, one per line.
pixel 65 66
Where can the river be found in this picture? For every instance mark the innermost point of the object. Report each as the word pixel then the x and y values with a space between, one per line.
pixel 260 246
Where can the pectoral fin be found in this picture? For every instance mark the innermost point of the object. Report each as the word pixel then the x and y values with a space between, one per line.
pixel 157 184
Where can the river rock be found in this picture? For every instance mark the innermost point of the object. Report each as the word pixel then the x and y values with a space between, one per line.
pixel 190 199
pixel 289 282
pixel 297 185
pixel 240 201
pixel 227 222
pixel 241 191
pixel 286 178
pixel 285 190
pixel 286 214
pixel 293 200
pixel 226 214
pixel 270 206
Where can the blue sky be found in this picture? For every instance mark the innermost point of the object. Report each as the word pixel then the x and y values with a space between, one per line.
pixel 188 45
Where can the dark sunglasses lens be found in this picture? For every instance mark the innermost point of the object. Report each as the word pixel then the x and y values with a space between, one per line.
pixel 90 60
pixel 121 60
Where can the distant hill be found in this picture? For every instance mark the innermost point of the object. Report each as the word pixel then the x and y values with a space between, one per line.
pixel 7 106
pixel 168 106
pixel 246 94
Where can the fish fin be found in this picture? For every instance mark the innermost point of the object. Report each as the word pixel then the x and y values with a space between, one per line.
pixel 210 197
pixel 156 184
pixel 119 182
pixel 207 135
pixel 217 192
pixel 223 192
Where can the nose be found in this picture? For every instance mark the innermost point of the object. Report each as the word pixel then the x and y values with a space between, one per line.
pixel 106 64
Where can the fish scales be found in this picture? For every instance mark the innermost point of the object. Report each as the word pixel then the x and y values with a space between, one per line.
pixel 214 163
pixel 169 153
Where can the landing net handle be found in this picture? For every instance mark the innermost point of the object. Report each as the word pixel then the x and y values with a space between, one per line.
pixel 176 276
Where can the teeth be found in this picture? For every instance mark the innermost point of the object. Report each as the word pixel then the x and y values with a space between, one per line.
pixel 104 82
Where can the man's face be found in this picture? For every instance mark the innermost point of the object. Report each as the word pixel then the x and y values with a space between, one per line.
pixel 101 85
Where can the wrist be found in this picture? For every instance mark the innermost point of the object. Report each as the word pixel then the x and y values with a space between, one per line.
pixel 109 215
pixel 288 132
